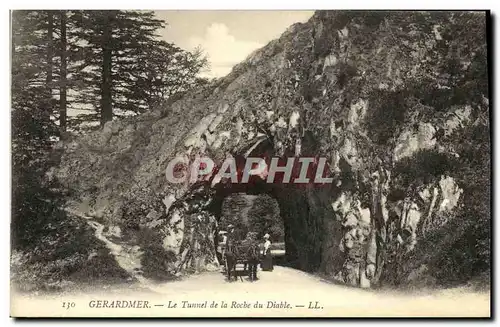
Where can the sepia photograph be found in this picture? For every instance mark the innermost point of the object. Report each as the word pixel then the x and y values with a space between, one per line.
pixel 250 163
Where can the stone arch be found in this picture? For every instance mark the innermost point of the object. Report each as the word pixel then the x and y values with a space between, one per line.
pixel 312 232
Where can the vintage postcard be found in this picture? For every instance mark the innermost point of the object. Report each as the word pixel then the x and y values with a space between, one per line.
pixel 330 163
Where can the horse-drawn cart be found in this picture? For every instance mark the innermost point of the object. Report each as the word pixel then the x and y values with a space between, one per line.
pixel 241 259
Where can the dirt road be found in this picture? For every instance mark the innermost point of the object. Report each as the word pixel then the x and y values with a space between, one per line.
pixel 285 292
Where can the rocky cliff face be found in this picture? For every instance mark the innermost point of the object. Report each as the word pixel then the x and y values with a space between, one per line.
pixel 390 98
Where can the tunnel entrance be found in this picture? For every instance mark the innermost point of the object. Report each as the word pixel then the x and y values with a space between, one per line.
pixel 298 217
pixel 253 206
pixel 253 213
pixel 256 210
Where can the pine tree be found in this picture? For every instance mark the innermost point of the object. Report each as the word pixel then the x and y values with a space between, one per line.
pixel 33 130
pixel 126 68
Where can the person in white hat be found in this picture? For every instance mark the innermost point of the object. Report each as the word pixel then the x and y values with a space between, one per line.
pixel 267 262
pixel 223 233
pixel 230 232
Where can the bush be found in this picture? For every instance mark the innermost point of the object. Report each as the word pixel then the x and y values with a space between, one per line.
pixel 68 255
pixel 156 261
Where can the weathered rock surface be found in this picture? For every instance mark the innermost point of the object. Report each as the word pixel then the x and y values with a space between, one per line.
pixel 369 91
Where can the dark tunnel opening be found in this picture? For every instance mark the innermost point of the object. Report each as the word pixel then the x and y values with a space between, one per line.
pixel 252 207
pixel 302 210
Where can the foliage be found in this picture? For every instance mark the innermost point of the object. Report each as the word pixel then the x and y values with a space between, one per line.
pixel 155 260
pixel 35 200
pixel 144 69
pixel 423 168
pixel 257 213
pixel 459 250
pixel 145 72
pixel 144 205
pixel 474 176
pixel 387 115
pixel 62 258
pixel 264 217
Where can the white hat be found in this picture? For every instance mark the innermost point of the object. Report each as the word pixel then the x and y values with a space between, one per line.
pixel 266 236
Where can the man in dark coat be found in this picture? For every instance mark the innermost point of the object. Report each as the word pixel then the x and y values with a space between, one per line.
pixel 229 255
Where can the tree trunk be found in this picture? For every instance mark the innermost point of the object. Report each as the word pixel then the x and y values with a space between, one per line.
pixel 50 30
pixel 106 86
pixel 63 81
pixel 50 54
pixel 379 220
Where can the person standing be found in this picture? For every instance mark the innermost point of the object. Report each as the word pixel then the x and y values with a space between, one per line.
pixel 229 256
pixel 230 235
pixel 267 262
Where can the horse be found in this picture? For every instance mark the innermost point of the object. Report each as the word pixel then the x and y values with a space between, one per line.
pixel 252 259
pixel 243 252
pixel 231 255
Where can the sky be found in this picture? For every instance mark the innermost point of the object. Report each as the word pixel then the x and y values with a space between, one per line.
pixel 226 37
